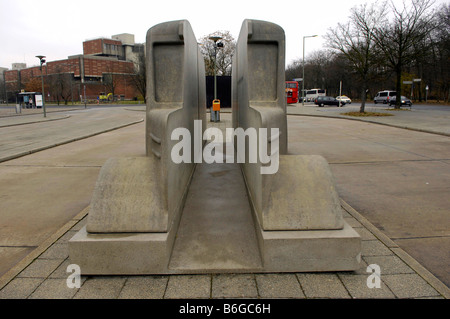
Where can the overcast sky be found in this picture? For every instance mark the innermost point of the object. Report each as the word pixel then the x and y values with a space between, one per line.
pixel 57 28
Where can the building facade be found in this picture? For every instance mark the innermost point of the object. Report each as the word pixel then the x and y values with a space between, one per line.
pixel 106 68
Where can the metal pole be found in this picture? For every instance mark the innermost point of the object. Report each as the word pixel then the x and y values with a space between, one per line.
pixel 41 62
pixel 303 81
pixel 213 113
pixel 215 117
pixel 43 94
pixel 4 87
pixel 215 66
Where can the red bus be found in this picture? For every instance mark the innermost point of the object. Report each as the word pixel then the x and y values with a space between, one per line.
pixel 291 92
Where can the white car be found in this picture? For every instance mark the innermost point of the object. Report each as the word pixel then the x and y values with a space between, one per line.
pixel 344 99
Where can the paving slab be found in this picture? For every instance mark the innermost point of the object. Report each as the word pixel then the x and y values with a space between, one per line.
pixel 100 288
pixel 144 287
pixel 188 287
pixel 326 285
pixel 279 286
pixel 234 286
pixel 409 286
pixel 357 288
pixel 20 288
pixel 53 288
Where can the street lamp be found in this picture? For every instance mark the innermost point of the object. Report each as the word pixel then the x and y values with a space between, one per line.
pixel 215 115
pixel 303 82
pixel 42 61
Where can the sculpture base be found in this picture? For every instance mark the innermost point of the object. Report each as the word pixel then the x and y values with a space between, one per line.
pixel 149 254
pixel 216 234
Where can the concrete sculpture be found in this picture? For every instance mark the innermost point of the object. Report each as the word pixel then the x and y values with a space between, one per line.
pixel 298 215
pixel 137 202
pixel 154 215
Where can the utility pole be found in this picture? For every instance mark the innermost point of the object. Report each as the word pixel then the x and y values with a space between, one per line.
pixel 303 82
pixel 215 114
pixel 42 61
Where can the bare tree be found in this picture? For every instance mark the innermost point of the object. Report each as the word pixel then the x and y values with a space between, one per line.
pixel 61 85
pixel 139 77
pixel 438 68
pixel 110 81
pixel 355 41
pixel 224 54
pixel 397 38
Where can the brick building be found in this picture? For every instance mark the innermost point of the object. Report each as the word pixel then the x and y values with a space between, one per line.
pixel 107 66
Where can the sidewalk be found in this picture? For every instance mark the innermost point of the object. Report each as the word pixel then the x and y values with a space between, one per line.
pixel 436 122
pixel 10 110
pixel 43 274
pixel 30 119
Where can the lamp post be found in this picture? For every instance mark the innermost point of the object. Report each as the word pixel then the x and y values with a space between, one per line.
pixel 42 61
pixel 215 115
pixel 303 82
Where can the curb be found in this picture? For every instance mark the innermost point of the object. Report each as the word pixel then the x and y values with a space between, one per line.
pixel 27 260
pixel 8 158
pixel 374 122
pixel 25 123
pixel 48 112
pixel 407 259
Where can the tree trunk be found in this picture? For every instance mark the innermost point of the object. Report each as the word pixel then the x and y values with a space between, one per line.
pixel 363 99
pixel 398 86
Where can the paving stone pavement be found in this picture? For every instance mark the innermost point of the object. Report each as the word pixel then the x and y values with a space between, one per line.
pixel 45 275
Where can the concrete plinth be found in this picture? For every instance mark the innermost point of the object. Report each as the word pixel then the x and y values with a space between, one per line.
pixel 280 251
pixel 216 234
pixel 311 250
pixel 120 253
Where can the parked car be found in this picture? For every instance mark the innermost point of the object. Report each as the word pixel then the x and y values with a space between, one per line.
pixel 384 96
pixel 345 99
pixel 405 101
pixel 326 100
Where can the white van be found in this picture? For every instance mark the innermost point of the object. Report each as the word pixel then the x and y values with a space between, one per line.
pixel 312 94
pixel 384 96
